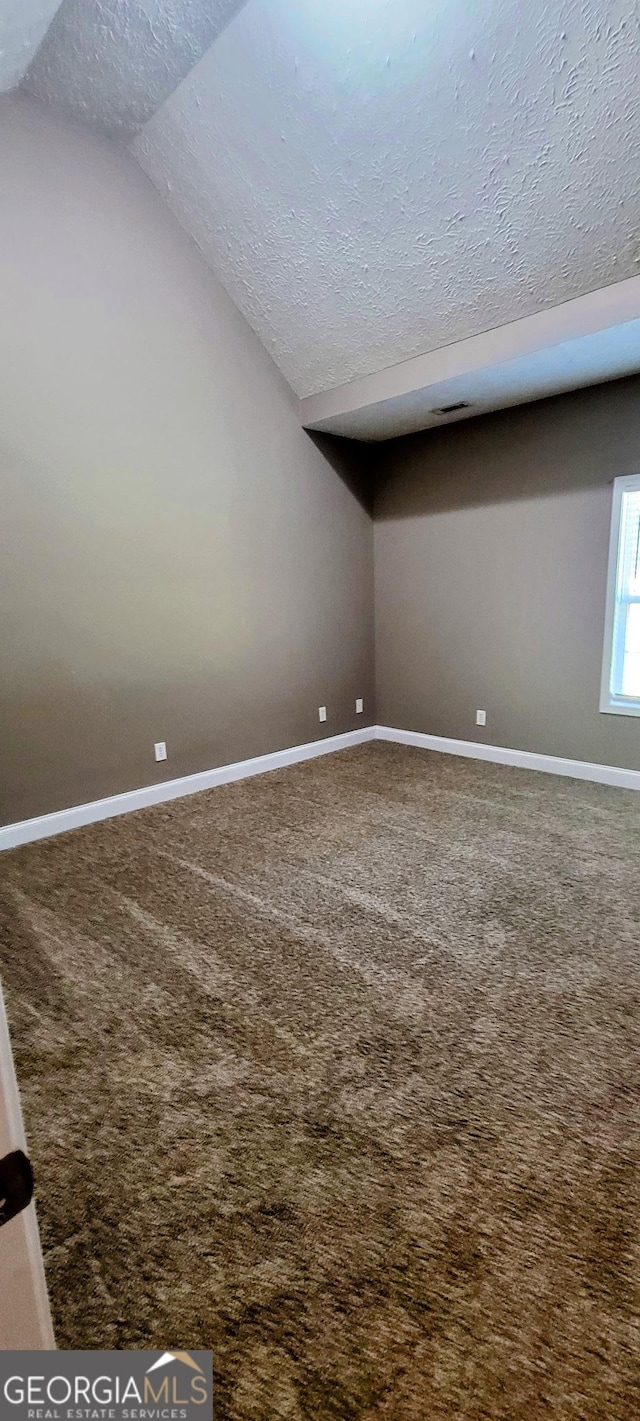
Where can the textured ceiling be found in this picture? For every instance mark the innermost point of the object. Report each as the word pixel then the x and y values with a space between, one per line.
pixel 23 23
pixel 375 178
pixel 371 179
pixel 111 63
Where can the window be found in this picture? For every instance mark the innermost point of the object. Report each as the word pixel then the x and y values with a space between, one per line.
pixel 620 692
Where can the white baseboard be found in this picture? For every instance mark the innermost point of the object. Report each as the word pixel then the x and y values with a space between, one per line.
pixel 525 759
pixel 12 835
pixel 43 827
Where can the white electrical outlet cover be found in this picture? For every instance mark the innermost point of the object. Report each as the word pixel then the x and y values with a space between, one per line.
pixel 481 717
pixel 160 750
pixel 359 706
pixel 322 712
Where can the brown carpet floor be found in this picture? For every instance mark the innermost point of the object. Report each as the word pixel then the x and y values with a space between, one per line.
pixel 337 1072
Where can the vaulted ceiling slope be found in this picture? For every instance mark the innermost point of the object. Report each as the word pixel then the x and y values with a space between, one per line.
pixel 111 63
pixel 370 179
pixel 23 25
pixel 376 178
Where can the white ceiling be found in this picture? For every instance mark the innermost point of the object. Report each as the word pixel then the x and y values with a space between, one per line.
pixel 23 25
pixel 373 179
pixel 376 178
pixel 111 63
pixel 483 384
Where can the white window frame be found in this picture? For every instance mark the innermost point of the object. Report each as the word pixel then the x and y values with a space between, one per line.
pixel 610 702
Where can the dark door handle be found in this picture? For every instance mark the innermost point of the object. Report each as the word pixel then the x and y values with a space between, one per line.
pixel 16 1185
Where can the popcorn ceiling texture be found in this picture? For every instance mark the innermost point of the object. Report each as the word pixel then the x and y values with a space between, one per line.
pixel 111 64
pixel 23 23
pixel 371 181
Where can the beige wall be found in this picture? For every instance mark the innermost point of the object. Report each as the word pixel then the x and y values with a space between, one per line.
pixel 491 545
pixel 179 560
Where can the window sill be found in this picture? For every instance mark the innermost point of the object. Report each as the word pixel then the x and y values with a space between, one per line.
pixel 620 707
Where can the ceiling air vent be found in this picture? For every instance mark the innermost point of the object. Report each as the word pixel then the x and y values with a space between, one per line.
pixel 451 409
